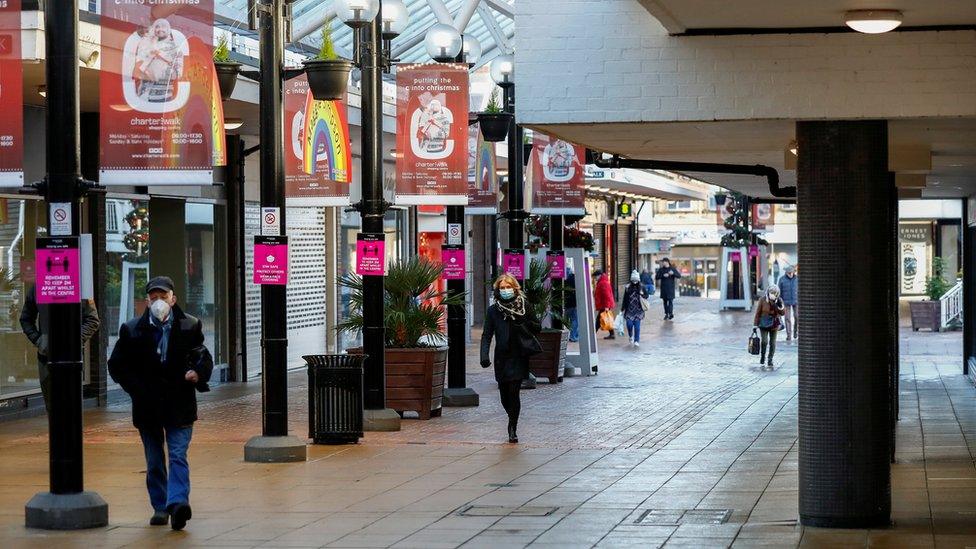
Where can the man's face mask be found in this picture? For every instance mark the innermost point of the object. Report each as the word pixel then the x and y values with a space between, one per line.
pixel 160 309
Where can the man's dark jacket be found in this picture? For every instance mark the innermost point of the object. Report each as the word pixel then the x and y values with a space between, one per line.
pixel 161 396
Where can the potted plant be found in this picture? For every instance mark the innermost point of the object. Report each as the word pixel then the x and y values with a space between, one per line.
pixel 575 238
pixel 928 313
pixel 493 121
pixel 545 302
pixel 227 70
pixel 415 353
pixel 328 74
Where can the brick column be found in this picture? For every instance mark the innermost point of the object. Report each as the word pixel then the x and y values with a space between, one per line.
pixel 846 210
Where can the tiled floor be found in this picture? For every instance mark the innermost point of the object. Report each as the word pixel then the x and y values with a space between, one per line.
pixel 658 449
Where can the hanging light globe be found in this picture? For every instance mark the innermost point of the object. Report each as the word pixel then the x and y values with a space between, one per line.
pixel 395 18
pixel 471 50
pixel 356 13
pixel 503 70
pixel 443 42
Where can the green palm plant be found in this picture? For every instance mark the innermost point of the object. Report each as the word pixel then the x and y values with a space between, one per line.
pixel 540 296
pixel 410 315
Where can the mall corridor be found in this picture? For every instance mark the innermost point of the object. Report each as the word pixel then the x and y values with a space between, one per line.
pixel 683 442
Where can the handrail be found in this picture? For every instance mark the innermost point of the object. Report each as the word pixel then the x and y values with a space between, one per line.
pixel 950 304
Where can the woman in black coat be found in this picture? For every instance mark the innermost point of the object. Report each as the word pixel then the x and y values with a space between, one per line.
pixel 513 326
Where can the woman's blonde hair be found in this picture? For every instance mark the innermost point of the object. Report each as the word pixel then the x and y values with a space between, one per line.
pixel 505 277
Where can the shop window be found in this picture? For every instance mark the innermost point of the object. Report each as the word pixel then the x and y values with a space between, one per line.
pixel 679 205
pixel 127 248
pixel 201 274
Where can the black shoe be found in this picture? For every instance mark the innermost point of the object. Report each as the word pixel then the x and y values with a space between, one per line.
pixel 181 513
pixel 159 518
pixel 762 361
pixel 512 436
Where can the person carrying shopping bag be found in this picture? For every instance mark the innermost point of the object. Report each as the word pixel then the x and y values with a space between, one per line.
pixel 603 300
pixel 632 307
pixel 768 313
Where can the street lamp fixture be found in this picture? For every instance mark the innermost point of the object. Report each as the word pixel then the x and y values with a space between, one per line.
pixel 443 43
pixel 471 50
pixel 503 70
pixel 395 18
pixel 356 13
pixel 873 21
pixel 359 13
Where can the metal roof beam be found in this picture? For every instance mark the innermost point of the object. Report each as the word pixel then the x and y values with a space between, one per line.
pixel 501 40
pixel 464 15
pixel 440 12
pixel 502 7
pixel 311 24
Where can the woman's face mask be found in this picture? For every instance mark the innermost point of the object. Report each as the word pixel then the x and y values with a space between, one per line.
pixel 506 293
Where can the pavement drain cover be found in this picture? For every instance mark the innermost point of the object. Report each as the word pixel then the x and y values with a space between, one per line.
pixel 674 517
pixel 506 510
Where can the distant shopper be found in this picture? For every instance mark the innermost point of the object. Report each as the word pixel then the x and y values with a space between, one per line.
pixel 603 298
pixel 161 361
pixel 512 324
pixel 633 308
pixel 569 303
pixel 667 280
pixel 33 320
pixel 767 319
pixel 788 287
pixel 647 280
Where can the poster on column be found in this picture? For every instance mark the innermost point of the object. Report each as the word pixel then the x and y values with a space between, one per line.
pixel 557 176
pixel 482 174
pixel 432 134
pixel 58 270
pixel 318 158
pixel 161 116
pixel 11 97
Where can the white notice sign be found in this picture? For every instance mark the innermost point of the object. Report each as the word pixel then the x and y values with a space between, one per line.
pixel 270 221
pixel 60 218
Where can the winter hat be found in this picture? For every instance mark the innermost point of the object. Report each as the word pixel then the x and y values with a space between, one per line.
pixel 634 276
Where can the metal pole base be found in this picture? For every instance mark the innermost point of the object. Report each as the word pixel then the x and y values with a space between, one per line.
pixel 572 371
pixel 460 397
pixel 381 420
pixel 262 449
pixel 79 511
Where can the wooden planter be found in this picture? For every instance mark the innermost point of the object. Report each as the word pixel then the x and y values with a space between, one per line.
pixel 926 314
pixel 550 362
pixel 414 379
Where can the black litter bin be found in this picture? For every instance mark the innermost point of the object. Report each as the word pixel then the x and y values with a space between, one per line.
pixel 335 398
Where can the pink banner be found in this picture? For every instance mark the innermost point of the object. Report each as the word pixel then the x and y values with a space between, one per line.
pixel 557 264
pixel 58 270
pixel 453 261
pixel 513 262
pixel 371 255
pixel 271 260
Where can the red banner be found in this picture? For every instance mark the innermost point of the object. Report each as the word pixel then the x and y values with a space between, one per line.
pixel 11 97
pixel 432 134
pixel 162 120
pixel 557 176
pixel 482 174
pixel 763 217
pixel 318 158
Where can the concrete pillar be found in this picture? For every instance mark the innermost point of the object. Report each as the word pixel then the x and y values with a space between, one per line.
pixel 968 291
pixel 845 206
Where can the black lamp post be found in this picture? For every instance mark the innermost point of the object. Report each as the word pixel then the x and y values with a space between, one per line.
pixel 67 506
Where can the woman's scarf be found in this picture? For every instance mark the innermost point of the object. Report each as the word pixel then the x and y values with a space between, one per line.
pixel 513 309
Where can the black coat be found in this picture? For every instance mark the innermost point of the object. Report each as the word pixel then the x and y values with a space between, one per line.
pixel 33 318
pixel 667 284
pixel 161 396
pixel 515 342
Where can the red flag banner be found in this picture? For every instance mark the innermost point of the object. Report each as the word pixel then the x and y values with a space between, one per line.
pixel 432 134
pixel 557 176
pixel 482 175
pixel 318 158
pixel 763 217
pixel 162 120
pixel 11 97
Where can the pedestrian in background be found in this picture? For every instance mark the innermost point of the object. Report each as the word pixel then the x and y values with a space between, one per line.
pixel 512 324
pixel 633 307
pixel 788 288
pixel 161 362
pixel 33 320
pixel 569 303
pixel 647 280
pixel 603 300
pixel 667 280
pixel 768 312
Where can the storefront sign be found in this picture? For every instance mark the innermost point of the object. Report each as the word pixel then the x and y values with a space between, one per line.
pixel 11 97
pixel 915 232
pixel 318 157
pixel 557 264
pixel 58 270
pixel 432 134
pixel 482 174
pixel 557 176
pixel 162 120
pixel 513 262
pixel 370 254
pixel 60 222
pixel 453 261
pixel 271 260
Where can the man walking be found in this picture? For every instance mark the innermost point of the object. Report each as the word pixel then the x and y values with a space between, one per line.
pixel 160 361
pixel 788 285
pixel 569 303
pixel 667 277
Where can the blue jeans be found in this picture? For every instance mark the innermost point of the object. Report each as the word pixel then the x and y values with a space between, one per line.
pixel 633 329
pixel 167 490
pixel 573 323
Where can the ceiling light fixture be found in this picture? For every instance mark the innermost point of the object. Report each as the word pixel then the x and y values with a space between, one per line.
pixel 42 90
pixel 793 147
pixel 873 21
pixel 233 123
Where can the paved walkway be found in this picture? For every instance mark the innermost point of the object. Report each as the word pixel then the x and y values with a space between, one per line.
pixel 683 442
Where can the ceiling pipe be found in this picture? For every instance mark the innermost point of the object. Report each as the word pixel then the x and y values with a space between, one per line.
pixel 771 175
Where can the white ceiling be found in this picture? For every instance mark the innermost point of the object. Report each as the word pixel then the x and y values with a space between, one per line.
pixel 678 16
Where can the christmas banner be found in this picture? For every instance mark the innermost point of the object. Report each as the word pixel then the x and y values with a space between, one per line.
pixel 763 217
pixel 557 176
pixel 162 120
pixel 11 97
pixel 318 158
pixel 482 178
pixel 432 134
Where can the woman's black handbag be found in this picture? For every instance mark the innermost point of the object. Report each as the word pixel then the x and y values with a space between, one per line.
pixel 754 343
